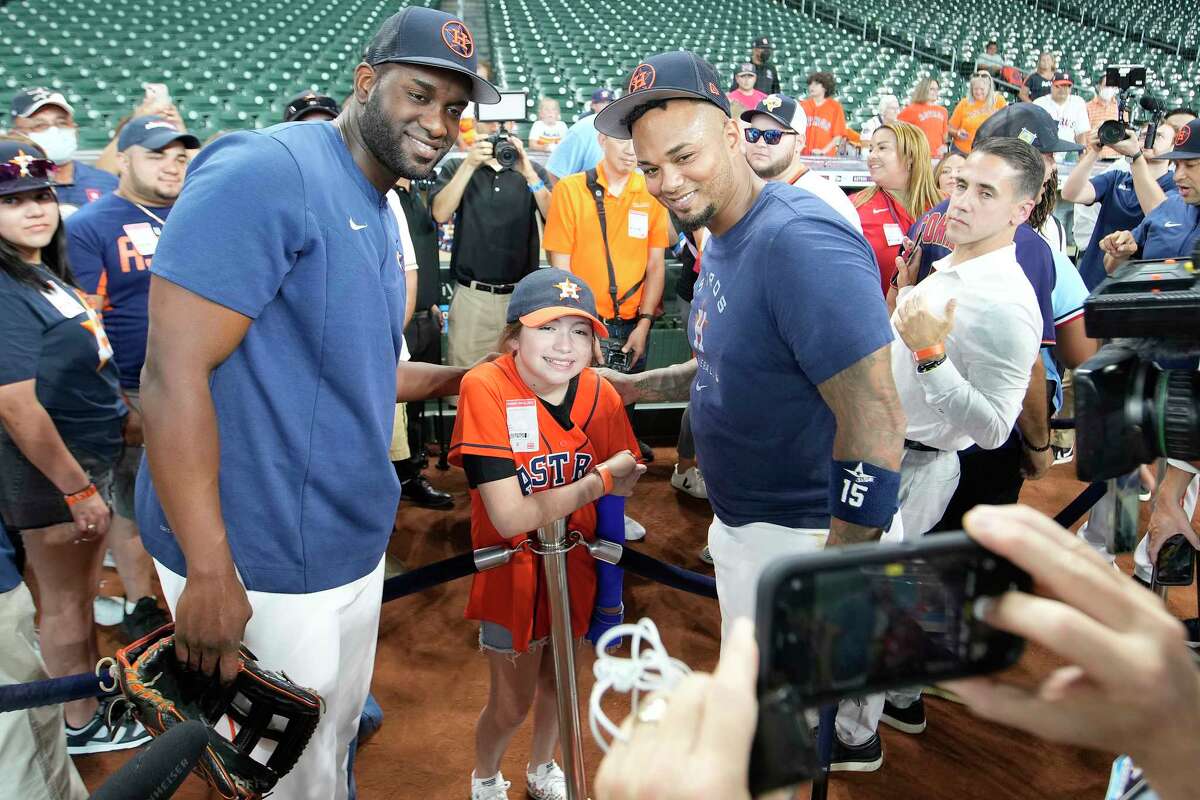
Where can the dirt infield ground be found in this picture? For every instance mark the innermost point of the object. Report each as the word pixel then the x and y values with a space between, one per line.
pixel 432 682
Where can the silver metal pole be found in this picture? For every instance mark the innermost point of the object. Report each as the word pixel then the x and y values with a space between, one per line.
pixel 554 559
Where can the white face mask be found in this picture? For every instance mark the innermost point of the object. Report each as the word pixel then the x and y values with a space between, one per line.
pixel 1107 93
pixel 60 144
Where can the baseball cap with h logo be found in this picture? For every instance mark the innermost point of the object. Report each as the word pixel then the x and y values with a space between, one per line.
pixel 666 76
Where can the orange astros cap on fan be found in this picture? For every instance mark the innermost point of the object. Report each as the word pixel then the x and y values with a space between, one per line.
pixel 549 293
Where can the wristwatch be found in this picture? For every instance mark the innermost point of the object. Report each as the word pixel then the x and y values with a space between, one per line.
pixel 930 366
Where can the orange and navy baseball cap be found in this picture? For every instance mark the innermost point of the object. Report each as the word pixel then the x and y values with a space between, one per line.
pixel 1187 144
pixel 1062 79
pixel 549 293
pixel 430 38
pixel 666 76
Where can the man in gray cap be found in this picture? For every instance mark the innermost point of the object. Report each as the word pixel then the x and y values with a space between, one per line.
pixel 267 489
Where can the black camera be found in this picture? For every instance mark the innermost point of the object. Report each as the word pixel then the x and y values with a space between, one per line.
pixel 614 357
pixel 1125 77
pixel 1138 398
pixel 503 150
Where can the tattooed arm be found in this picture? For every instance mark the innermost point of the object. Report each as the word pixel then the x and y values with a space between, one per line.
pixel 671 384
pixel 870 426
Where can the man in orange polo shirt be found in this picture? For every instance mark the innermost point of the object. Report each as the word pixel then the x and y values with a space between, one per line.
pixel 629 287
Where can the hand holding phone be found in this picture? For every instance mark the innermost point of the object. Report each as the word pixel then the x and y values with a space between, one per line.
pixel 157 94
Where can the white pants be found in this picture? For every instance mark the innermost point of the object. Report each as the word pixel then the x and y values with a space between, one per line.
pixel 739 556
pixel 927 483
pixel 1099 523
pixel 324 641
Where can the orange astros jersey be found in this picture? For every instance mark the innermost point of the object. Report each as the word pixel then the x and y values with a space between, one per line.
pixel 500 417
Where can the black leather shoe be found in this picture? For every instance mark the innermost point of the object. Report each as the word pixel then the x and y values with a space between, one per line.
pixel 420 491
pixel 647 451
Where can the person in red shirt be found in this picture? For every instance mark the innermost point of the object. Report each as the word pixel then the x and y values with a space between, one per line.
pixel 826 117
pixel 540 437
pixel 745 94
pixel 929 115
pixel 902 190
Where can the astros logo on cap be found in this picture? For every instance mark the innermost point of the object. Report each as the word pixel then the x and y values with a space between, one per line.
pixel 22 160
pixel 642 78
pixel 567 289
pixel 458 38
pixel 712 88
pixel 772 102
pixel 1184 134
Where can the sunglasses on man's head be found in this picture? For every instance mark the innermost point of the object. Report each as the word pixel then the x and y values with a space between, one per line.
pixel 772 136
pixel 35 167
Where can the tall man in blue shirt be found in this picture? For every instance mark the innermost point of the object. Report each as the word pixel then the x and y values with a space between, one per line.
pixel 112 243
pixel 267 481
pixel 793 405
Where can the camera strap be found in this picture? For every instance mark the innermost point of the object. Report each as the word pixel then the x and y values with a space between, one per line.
pixel 598 195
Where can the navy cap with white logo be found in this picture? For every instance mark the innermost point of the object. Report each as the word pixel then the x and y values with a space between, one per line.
pixel 1031 124
pixel 1187 144
pixel 783 109
pixel 1061 78
pixel 666 76
pixel 549 293
pixel 30 101
pixel 747 69
pixel 761 41
pixel 153 133
pixel 309 103
pixel 603 95
pixel 430 38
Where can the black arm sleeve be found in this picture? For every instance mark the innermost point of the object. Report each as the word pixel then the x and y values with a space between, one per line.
pixel 485 469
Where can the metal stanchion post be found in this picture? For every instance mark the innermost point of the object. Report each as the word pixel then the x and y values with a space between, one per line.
pixel 554 558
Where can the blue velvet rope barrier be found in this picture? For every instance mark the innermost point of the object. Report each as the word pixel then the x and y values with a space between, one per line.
pixel 18 696
pixel 667 574
pixel 1081 504
pixel 430 575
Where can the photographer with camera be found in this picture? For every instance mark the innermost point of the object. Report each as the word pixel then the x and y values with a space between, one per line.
pixel 493 195
pixel 1130 683
pixel 1125 197
pixel 1172 229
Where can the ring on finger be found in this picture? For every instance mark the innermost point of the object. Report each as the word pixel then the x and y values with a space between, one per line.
pixel 653 711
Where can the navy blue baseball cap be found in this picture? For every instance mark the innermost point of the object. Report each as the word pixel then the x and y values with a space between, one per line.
pixel 781 108
pixel 30 101
pixel 1031 124
pixel 153 133
pixel 1187 144
pixel 603 95
pixel 430 38
pixel 24 167
pixel 309 102
pixel 666 76
pixel 549 293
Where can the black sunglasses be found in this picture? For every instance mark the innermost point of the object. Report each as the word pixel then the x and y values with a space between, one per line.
pixel 772 136
pixel 36 168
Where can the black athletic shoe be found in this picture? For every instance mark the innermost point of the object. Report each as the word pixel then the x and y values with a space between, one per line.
pixel 909 720
pixel 145 618
pixel 420 491
pixel 647 451
pixel 866 757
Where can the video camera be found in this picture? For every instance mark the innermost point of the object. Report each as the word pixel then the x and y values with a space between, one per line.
pixel 510 108
pixel 1126 77
pixel 1138 398
pixel 614 357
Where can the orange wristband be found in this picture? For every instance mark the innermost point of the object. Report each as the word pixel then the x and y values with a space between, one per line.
pixel 605 476
pixel 930 352
pixel 83 494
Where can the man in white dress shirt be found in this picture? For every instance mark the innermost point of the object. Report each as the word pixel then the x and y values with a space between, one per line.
pixel 969 333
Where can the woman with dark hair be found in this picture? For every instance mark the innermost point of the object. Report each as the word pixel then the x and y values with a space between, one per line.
pixel 61 430
pixel 826 117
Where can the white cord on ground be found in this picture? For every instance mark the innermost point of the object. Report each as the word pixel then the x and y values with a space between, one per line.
pixel 646 670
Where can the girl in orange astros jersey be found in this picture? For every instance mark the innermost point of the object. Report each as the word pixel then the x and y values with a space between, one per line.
pixel 541 437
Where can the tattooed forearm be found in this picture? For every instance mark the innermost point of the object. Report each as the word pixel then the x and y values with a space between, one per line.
pixel 870 426
pixel 671 384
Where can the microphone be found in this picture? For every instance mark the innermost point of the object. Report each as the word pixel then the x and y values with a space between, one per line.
pixel 156 772
pixel 1151 104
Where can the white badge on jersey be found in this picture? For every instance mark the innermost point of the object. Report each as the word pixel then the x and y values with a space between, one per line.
pixel 893 234
pixel 143 237
pixel 522 425
pixel 66 303
pixel 639 224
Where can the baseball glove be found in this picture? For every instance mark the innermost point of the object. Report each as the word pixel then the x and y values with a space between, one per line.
pixel 263 705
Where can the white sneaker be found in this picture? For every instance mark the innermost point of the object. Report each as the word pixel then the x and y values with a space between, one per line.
pixel 493 788
pixel 690 482
pixel 634 530
pixel 547 782
pixel 706 556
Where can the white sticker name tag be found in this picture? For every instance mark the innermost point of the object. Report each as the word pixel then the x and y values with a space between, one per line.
pixel 142 237
pixel 66 303
pixel 893 234
pixel 639 224
pixel 522 425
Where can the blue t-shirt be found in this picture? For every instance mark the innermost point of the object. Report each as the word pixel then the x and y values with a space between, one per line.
pixel 9 577
pixel 1033 254
pixel 88 185
pixel 579 150
pixel 1169 231
pixel 106 262
pixel 280 225
pixel 52 337
pixel 786 299
pixel 1119 211
pixel 1069 294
